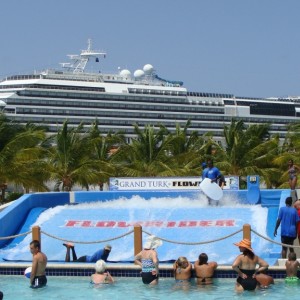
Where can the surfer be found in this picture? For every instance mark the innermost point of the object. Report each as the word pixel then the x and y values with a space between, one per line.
pixel 212 173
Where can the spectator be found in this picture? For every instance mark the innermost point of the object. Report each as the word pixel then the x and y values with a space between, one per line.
pixel 288 218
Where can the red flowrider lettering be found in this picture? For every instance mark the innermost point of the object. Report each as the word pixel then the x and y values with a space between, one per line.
pixel 155 223
pixel 106 224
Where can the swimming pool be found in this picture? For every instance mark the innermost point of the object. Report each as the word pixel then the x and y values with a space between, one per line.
pixel 17 287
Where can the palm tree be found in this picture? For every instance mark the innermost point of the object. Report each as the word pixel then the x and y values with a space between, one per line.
pixel 103 148
pixel 188 150
pixel 69 158
pixel 248 150
pixel 21 160
pixel 147 154
pixel 290 149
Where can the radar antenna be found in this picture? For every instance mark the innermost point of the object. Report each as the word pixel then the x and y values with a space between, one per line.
pixel 80 61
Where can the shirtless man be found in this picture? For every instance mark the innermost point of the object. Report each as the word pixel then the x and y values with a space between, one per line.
pixel 39 262
pixel 292 265
pixel 204 270
pixel 245 266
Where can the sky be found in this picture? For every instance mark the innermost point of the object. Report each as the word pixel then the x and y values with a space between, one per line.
pixel 248 48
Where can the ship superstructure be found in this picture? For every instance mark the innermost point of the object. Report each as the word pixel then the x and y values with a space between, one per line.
pixel 119 100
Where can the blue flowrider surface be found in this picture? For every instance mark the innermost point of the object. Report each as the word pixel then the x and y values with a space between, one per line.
pixel 182 222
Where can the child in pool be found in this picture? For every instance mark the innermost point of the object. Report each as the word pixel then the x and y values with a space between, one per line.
pixel 291 266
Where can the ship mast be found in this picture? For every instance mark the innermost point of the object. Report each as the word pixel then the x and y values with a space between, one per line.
pixel 80 61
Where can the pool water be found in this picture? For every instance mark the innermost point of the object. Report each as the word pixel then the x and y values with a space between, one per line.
pixel 17 287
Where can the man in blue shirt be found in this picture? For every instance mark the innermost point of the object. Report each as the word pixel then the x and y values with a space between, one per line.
pixel 288 218
pixel 211 172
pixel 100 254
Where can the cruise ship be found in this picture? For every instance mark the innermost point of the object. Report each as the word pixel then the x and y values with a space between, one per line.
pixel 122 99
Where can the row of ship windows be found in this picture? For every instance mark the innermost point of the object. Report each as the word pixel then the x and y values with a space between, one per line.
pixel 113 113
pixel 255 107
pixel 99 105
pixel 136 115
pixel 210 95
pixel 86 96
pixel 156 92
pixel 53 87
pixel 121 126
pixel 284 106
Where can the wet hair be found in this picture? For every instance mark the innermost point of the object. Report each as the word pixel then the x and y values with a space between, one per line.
pixel 248 253
pixel 181 260
pixel 203 259
pixel 292 256
pixel 36 244
pixel 289 200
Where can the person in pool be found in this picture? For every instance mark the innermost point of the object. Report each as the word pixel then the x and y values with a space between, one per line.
pixel 101 277
pixel 148 260
pixel 204 269
pixel 245 266
pixel 264 280
pixel 39 262
pixel 182 269
pixel 100 254
pixel 292 265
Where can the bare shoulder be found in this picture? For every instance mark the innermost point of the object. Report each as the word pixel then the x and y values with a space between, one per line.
pixel 213 264
pixel 139 255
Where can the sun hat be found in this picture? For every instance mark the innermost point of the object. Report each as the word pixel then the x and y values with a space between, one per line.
pixel 245 243
pixel 107 247
pixel 152 242
pixel 100 266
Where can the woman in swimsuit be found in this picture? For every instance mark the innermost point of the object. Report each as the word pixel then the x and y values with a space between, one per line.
pixel 245 266
pixel 101 277
pixel 148 260
pixel 204 269
pixel 292 171
pixel 182 269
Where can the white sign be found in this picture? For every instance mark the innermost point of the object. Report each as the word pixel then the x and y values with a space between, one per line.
pixel 155 183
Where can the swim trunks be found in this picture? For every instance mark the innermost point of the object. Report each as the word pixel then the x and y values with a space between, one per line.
pixel 249 283
pixel 292 279
pixel 287 240
pixel 38 282
pixel 148 277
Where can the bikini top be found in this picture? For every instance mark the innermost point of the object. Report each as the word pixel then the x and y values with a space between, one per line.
pixel 292 171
